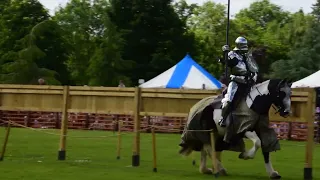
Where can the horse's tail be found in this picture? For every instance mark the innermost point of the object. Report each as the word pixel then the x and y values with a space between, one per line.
pixel 185 150
pixel 191 141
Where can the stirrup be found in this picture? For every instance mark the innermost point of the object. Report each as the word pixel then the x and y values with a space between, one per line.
pixel 222 122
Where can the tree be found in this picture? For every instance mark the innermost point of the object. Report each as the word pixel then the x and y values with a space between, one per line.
pixel 17 19
pixel 209 26
pixel 316 10
pixel 155 36
pixel 293 31
pixel 96 47
pixel 184 10
pixel 106 64
pixel 264 12
pixel 47 36
pixel 262 25
pixel 304 58
pixel 23 57
pixel 77 19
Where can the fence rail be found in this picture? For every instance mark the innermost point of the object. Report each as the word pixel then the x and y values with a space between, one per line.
pixel 98 107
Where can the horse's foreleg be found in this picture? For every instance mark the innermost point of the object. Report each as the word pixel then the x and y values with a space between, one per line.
pixel 203 163
pixel 271 172
pixel 256 145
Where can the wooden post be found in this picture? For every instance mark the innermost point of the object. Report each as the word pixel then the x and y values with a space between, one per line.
pixel 136 147
pixel 5 142
pixel 64 124
pixel 154 152
pixel 213 155
pixel 119 139
pixel 310 135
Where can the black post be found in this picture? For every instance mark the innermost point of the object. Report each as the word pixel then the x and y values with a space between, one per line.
pixel 227 43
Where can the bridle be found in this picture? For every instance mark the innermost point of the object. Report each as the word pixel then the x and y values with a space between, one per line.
pixel 278 107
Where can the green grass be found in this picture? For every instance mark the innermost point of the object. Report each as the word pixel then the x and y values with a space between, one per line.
pixel 32 155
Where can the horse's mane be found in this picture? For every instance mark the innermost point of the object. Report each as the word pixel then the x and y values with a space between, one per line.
pixel 261 84
pixel 272 82
pixel 267 85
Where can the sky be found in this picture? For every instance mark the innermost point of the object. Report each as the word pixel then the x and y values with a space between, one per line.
pixel 235 5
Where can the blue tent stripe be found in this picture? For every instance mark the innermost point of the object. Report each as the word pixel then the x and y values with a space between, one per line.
pixel 180 74
pixel 182 70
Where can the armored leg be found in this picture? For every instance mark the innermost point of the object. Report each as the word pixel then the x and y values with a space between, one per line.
pixel 226 102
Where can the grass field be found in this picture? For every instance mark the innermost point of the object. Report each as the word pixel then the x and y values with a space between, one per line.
pixel 32 155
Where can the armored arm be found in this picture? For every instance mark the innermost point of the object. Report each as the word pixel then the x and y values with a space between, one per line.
pixel 232 61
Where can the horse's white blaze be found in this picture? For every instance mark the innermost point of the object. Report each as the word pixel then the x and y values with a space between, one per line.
pixel 256 144
pixel 216 117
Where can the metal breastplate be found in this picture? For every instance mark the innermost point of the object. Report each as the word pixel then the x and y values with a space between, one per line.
pixel 240 69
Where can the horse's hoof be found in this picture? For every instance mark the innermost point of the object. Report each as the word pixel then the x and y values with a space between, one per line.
pixel 275 175
pixel 216 175
pixel 223 172
pixel 194 162
pixel 206 171
pixel 241 155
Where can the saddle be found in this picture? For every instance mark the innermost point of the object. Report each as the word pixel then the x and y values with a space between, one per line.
pixel 242 92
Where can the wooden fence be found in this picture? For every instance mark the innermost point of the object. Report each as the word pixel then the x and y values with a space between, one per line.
pixel 135 102
pixel 91 107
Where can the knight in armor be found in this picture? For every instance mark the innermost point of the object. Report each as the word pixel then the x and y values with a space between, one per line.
pixel 243 72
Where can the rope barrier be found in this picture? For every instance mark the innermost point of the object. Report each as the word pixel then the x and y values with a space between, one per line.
pixel 58 134
pixel 149 127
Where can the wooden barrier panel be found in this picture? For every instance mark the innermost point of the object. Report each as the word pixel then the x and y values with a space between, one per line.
pixel 31 98
pixel 106 100
pixel 102 100
pixel 171 102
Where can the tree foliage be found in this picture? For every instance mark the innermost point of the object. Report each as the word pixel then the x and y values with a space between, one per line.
pixel 304 58
pixel 155 35
pixel 99 42
pixel 26 26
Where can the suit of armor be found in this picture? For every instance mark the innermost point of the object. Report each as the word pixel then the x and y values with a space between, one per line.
pixel 243 71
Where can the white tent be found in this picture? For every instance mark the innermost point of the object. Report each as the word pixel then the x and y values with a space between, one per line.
pixel 186 74
pixel 311 81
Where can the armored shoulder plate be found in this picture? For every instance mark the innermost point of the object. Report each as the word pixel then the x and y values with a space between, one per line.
pixel 251 63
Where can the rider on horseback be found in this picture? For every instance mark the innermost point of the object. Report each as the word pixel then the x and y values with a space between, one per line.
pixel 243 71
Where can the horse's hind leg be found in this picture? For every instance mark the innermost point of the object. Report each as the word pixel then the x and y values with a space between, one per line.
pixel 271 172
pixel 203 163
pixel 256 145
pixel 222 171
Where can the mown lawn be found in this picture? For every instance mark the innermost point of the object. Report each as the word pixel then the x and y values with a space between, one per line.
pixel 32 155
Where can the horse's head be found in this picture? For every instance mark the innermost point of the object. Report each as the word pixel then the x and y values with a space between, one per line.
pixel 281 96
